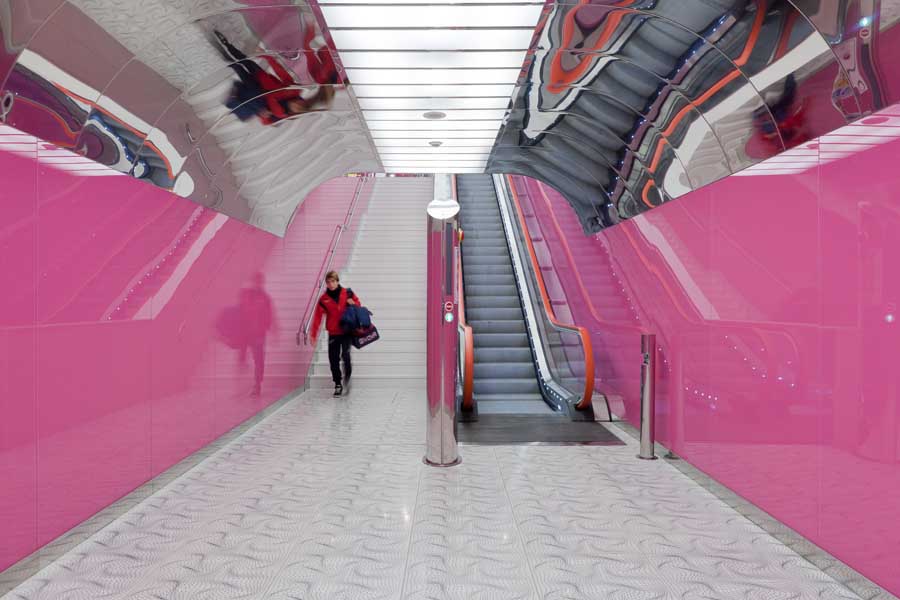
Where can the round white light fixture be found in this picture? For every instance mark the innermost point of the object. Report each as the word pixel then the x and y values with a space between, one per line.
pixel 434 115
pixel 435 143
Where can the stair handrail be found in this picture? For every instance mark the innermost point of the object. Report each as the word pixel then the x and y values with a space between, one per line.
pixel 465 330
pixel 306 322
pixel 588 392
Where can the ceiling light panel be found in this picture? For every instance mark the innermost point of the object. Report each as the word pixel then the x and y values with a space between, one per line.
pixel 431 76
pixel 433 81
pixel 451 115
pixel 436 135
pixel 388 2
pixel 432 39
pixel 432 91
pixel 495 59
pixel 434 15
pixel 425 125
pixel 459 170
pixel 423 143
pixel 438 158
pixel 444 104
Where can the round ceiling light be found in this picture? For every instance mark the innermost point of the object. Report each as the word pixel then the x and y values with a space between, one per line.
pixel 434 115
pixel 435 143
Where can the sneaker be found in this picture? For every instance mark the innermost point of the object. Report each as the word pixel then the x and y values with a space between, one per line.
pixel 338 389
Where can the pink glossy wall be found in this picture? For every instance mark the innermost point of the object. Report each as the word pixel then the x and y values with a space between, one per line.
pixel 110 368
pixel 776 299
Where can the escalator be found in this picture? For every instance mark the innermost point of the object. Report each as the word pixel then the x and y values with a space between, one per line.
pixel 521 387
pixel 505 379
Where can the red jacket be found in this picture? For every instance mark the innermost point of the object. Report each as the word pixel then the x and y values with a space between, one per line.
pixel 332 311
pixel 274 85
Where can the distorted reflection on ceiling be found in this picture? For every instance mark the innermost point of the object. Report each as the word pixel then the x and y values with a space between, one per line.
pixel 247 105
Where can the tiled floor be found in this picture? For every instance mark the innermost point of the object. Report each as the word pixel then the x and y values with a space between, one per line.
pixel 329 499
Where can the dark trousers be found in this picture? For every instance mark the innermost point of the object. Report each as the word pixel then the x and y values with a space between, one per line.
pixel 338 348
pixel 258 350
pixel 245 67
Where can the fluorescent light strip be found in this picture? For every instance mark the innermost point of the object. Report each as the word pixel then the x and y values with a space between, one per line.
pixel 416 115
pixel 433 39
pixel 434 170
pixel 428 152
pixel 422 143
pixel 474 3
pixel 423 125
pixel 436 135
pixel 431 76
pixel 442 104
pixel 433 91
pixel 436 15
pixel 445 158
pixel 354 59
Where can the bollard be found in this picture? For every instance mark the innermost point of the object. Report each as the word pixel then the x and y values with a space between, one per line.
pixel 648 396
pixel 441 447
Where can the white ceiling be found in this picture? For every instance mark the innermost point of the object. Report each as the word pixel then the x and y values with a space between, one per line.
pixel 461 60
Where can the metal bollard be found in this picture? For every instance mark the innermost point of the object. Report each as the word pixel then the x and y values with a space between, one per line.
pixel 648 396
pixel 441 447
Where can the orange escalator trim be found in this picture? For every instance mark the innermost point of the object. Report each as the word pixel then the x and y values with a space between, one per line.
pixel 545 299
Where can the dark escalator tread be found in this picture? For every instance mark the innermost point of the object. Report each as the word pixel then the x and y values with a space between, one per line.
pixel 501 340
pixel 493 429
pixel 505 370
pixel 470 271
pixel 489 326
pixel 506 386
pixel 487 301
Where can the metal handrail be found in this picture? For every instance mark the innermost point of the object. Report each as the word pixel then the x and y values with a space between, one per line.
pixel 306 322
pixel 588 393
pixel 465 330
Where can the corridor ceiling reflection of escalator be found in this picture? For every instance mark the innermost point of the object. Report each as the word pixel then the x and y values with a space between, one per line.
pixel 247 106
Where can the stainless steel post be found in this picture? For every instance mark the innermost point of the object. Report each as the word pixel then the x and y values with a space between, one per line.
pixel 441 449
pixel 648 396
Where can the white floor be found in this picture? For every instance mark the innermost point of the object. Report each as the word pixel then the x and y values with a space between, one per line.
pixel 328 499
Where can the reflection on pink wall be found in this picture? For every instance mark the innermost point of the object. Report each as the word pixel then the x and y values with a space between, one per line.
pixel 112 367
pixel 776 301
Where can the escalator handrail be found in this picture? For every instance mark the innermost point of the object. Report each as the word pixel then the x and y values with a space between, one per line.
pixel 588 300
pixel 588 392
pixel 465 329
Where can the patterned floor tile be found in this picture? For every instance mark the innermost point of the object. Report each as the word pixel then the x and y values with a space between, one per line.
pixel 328 499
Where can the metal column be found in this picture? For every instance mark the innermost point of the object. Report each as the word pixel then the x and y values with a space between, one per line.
pixel 648 396
pixel 441 448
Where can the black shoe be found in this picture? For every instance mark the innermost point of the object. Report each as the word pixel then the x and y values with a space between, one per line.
pixel 220 37
pixel 338 389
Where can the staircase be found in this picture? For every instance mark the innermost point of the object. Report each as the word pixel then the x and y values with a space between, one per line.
pixel 387 268
pixel 505 380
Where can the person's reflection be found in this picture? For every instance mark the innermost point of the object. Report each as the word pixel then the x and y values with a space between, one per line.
pixel 263 94
pixel 789 116
pixel 257 318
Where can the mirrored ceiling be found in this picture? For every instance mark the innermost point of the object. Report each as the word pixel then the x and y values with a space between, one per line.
pixel 247 105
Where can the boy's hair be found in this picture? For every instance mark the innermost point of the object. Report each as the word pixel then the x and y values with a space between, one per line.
pixel 332 275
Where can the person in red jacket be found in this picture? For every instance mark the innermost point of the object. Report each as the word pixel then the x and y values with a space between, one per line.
pixel 257 319
pixel 331 306
pixel 259 91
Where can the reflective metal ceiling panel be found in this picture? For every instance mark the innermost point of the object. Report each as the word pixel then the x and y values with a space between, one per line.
pixel 627 104
pixel 245 105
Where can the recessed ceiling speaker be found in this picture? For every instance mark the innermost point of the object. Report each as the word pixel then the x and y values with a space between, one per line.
pixel 434 114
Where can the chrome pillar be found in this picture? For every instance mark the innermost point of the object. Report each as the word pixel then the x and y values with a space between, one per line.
pixel 648 396
pixel 441 449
